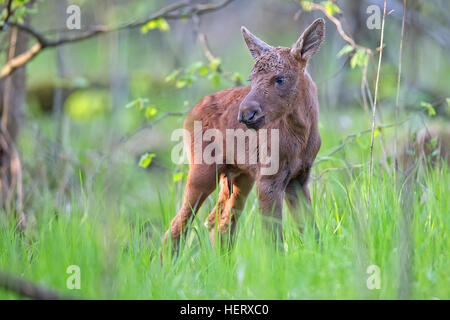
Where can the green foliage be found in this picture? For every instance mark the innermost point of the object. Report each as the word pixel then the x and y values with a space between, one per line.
pixel 139 103
pixel 19 11
pixel 429 108
pixel 306 5
pixel 146 160
pixel 237 77
pixel 178 176
pixel 159 23
pixel 188 76
pixel 345 50
pixel 359 59
pixel 142 104
pixel 84 105
pixel 331 8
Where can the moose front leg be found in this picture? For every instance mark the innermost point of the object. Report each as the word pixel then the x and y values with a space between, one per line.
pixel 270 195
pixel 298 200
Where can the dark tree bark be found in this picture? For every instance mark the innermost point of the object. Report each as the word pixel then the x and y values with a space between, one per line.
pixel 12 101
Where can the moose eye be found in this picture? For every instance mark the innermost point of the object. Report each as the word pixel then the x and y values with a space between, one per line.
pixel 279 80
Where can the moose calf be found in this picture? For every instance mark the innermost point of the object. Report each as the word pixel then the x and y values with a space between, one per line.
pixel 281 96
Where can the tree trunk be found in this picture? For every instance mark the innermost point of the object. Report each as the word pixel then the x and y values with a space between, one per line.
pixel 12 101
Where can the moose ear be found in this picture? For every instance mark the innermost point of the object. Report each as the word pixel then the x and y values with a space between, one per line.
pixel 254 44
pixel 310 41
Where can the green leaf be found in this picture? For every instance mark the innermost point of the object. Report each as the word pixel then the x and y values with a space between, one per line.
pixel 429 107
pixel 215 64
pixel 140 103
pixel 159 23
pixel 178 176
pixel 198 68
pixel 306 5
pixel 345 50
pixel 186 80
pixel 173 76
pixel 376 132
pixel 150 112
pixel 215 78
pixel 203 70
pixel 359 59
pixel 84 105
pixel 146 159
pixel 331 8
pixel 237 77
pixel 181 84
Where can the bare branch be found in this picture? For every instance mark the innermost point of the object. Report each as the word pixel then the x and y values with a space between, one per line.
pixel 207 51
pixel 351 137
pixel 339 28
pixel 20 60
pixel 27 289
pixel 172 11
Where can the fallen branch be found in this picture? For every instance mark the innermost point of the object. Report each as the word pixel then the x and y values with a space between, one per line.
pixel 28 289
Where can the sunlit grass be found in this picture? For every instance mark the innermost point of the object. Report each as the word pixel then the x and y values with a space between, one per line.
pixel 112 229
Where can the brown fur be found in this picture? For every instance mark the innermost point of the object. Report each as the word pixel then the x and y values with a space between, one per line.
pixel 292 107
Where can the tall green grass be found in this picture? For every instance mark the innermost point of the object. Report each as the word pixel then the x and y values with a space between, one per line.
pixel 111 227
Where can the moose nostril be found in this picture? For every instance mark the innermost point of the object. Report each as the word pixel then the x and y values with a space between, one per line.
pixel 249 115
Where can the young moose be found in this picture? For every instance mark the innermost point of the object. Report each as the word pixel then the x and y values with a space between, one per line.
pixel 282 96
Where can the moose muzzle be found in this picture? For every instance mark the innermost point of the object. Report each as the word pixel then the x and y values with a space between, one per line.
pixel 250 114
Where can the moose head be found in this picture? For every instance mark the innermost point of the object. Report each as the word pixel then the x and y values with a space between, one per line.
pixel 276 75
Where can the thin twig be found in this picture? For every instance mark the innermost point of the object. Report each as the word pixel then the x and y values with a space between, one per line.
pixel 339 28
pixel 399 76
pixel 365 89
pixel 351 137
pixel 374 109
pixel 151 125
pixel 207 51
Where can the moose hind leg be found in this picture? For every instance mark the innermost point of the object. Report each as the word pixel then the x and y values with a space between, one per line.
pixel 200 183
pixel 224 195
pixel 235 193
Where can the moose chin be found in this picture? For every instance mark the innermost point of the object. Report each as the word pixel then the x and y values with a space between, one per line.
pixel 281 96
